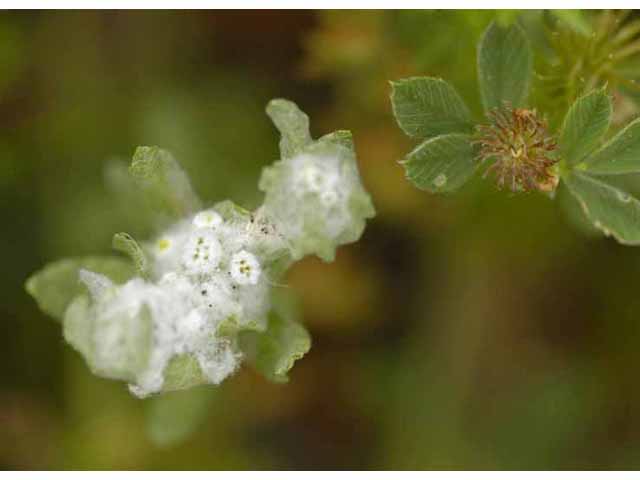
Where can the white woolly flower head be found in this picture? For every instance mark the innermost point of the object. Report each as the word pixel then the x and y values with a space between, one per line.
pixel 245 268
pixel 202 252
pixel 140 326
pixel 317 199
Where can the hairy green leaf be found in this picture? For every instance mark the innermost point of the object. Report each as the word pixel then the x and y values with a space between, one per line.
pixel 584 126
pixel 619 155
pixel 125 243
pixel 274 351
pixel 612 211
pixel 441 164
pixel 425 107
pixel 183 371
pixel 57 284
pixel 77 325
pixel 340 137
pixel 504 66
pixel 165 185
pixel 293 125
pixel 116 344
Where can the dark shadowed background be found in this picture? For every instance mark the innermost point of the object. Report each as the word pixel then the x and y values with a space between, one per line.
pixel 477 330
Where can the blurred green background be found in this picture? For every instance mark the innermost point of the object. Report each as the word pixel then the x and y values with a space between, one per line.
pixel 481 330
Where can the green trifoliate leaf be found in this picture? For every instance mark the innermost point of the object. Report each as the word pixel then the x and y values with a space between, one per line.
pixel 274 352
pixel 619 155
pixel 293 125
pixel 172 418
pixel 612 211
pixel 425 107
pixel 126 244
pixel 441 164
pixel 504 66
pixel 574 212
pixel 57 284
pixel 584 126
pixel 164 183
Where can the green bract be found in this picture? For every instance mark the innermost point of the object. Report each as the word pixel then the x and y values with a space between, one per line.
pixel 190 305
pixel 514 140
pixel 163 182
pixel 56 285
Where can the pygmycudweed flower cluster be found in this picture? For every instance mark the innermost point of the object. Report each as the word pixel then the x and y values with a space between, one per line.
pixel 208 278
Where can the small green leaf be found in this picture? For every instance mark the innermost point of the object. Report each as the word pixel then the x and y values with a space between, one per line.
pixel 78 325
pixel 183 371
pixel 274 351
pixel 504 66
pixel 293 125
pixel 619 155
pixel 441 164
pixel 173 417
pixel 425 107
pixel 118 344
pixel 166 186
pixel 125 243
pixel 612 211
pixel 574 213
pixel 57 284
pixel 584 126
pixel 115 344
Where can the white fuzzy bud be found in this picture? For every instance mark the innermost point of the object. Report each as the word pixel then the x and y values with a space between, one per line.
pixel 245 268
pixel 202 252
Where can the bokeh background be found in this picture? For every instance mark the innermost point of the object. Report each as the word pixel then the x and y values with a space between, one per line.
pixel 481 330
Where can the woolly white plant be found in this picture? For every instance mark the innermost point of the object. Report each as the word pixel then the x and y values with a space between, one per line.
pixel 189 306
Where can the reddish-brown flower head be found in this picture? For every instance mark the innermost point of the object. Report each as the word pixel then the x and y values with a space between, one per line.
pixel 518 144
